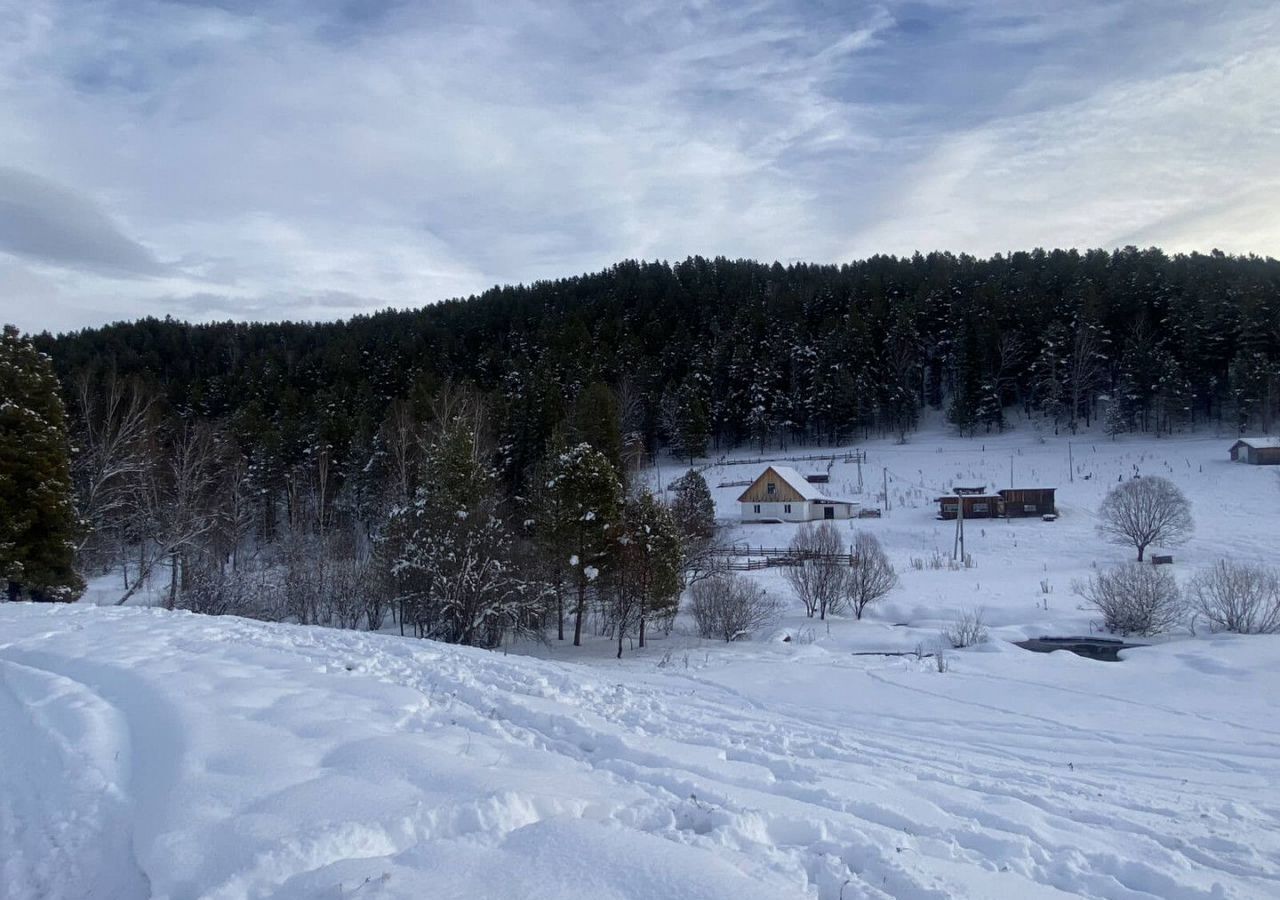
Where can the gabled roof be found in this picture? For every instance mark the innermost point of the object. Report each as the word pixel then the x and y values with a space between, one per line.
pixel 1259 443
pixel 798 483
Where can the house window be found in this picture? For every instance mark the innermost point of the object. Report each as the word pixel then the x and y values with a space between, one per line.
pixel 786 507
pixel 1030 507
pixel 757 507
pixel 979 507
pixel 948 507
pixel 771 488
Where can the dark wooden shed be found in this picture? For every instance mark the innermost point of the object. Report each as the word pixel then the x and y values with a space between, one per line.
pixel 1016 502
pixel 1260 451
pixel 976 506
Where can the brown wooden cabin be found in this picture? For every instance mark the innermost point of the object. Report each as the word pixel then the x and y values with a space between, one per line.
pixel 1017 502
pixel 976 506
pixel 1263 451
pixel 1005 503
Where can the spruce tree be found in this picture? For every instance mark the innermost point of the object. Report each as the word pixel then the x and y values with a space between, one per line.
pixel 650 556
pixel 38 520
pixel 692 506
pixel 582 498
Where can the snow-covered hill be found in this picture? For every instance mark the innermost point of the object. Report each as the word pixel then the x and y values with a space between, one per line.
pixel 145 753
pixel 168 755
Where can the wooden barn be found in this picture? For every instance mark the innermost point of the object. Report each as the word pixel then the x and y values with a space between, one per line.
pixel 1005 503
pixel 976 506
pixel 781 494
pixel 1015 502
pixel 1257 451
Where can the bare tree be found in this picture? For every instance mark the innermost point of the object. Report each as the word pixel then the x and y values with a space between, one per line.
pixel 1134 599
pixel 170 504
pixel 115 419
pixel 871 577
pixel 399 436
pixel 1240 597
pixel 1085 368
pixel 1146 511
pixel 815 575
pixel 631 411
pixel 731 607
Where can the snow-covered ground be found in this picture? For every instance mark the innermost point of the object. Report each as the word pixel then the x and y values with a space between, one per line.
pixel 145 753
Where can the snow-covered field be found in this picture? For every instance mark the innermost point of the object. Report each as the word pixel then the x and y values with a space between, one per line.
pixel 145 753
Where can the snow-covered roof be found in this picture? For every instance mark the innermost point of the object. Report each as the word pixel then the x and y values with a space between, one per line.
pixel 805 488
pixel 798 483
pixel 1260 443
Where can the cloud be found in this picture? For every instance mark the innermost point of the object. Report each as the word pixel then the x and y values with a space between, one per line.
pixel 43 221
pixel 400 153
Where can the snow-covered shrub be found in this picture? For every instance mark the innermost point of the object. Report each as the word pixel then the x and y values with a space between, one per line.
pixel 1239 597
pixel 1134 599
pixel 967 630
pixel 730 607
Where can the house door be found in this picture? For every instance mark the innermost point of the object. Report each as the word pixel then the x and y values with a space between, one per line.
pixel 828 512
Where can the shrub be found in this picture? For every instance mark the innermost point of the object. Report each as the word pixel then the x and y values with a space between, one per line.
pixel 966 631
pixel 817 577
pixel 1239 597
pixel 730 607
pixel 1134 599
pixel 871 576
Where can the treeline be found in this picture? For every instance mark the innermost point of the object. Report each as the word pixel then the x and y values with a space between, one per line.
pixel 422 534
pixel 321 445
pixel 713 353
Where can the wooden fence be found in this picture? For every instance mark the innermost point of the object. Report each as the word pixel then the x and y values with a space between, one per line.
pixel 848 457
pixel 773 557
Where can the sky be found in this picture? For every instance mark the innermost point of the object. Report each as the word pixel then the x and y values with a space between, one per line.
pixel 313 159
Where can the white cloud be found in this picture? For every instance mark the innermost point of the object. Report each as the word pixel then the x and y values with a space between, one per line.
pixel 288 160
pixel 1186 160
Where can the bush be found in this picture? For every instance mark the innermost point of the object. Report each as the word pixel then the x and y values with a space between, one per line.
pixel 730 607
pixel 818 577
pixel 1134 599
pixel 1238 597
pixel 966 631
pixel 871 576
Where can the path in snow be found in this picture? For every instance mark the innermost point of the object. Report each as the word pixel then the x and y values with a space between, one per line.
pixel 291 762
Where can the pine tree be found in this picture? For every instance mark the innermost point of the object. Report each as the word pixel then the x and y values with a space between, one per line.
pixel 450 551
pixel 38 521
pixel 692 506
pixel 649 555
pixel 580 508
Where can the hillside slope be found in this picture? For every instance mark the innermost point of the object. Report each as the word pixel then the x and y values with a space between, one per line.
pixel 171 755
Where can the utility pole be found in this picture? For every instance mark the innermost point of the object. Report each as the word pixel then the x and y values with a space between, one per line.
pixel 886 489
pixel 1071 466
pixel 858 456
pixel 958 547
pixel 1010 471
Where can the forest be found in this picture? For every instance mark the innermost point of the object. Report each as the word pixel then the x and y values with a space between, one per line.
pixel 474 459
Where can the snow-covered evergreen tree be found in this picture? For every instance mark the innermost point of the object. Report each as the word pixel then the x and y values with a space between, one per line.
pixel 450 551
pixel 38 521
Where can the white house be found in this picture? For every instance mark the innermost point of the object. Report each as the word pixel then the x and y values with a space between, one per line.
pixel 781 494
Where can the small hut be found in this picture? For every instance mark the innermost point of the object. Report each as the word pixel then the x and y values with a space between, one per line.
pixel 1257 451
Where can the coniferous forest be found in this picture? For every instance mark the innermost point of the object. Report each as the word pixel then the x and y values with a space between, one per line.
pixel 308 461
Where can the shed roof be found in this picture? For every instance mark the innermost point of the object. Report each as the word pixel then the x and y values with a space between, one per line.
pixel 1259 443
